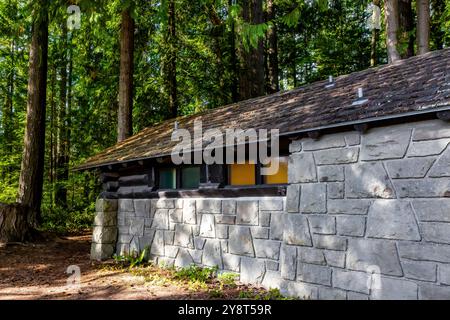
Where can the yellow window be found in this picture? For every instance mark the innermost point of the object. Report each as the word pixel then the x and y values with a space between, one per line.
pixel 242 174
pixel 281 177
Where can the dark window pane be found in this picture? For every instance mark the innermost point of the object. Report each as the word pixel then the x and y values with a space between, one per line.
pixel 190 177
pixel 167 179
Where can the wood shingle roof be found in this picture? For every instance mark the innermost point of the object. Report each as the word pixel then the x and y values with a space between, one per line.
pixel 417 85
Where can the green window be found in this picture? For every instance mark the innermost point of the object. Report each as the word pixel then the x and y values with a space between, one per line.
pixel 168 178
pixel 190 177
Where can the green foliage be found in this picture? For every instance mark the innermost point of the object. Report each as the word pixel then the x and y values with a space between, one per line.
pixel 132 259
pixel 271 294
pixel 196 274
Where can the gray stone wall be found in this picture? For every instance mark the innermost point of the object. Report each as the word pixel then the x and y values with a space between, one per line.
pixel 365 217
pixel 368 216
pixel 104 234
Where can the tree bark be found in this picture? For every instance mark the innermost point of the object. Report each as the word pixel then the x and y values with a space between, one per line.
pixel 423 26
pixel 406 19
pixel 273 84
pixel 62 158
pixel 171 69
pixel 14 225
pixel 391 14
pixel 252 79
pixel 32 169
pixel 124 125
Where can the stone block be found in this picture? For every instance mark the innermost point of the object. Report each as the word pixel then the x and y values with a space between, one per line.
pixel 359 207
pixel 260 233
pixel 385 143
pixel 183 259
pixel 351 280
pixel 271 204
pixel 101 251
pixel 158 244
pixel 137 227
pixel 431 130
pixel 324 142
pixel 106 205
pixel 422 251
pixel 247 212
pixel 264 218
pixel 409 168
pixel 103 235
pixel 420 270
pixel 368 180
pixel 105 219
pixel 209 206
pixel 222 231
pixel 392 219
pixel 125 205
pixel 353 139
pixel 322 224
pixel 296 230
pixel 335 190
pixel 240 241
pixel 276 226
pixel 142 208
pixel 183 236
pixel 436 232
pixel 312 273
pixel 231 262
pixel 207 226
pixel 362 254
pixel 169 237
pixel 442 166
pixel 395 289
pixel 433 210
pixel 444 274
pixel 331 294
pixel 300 290
pixel 423 188
pixel 199 243
pixel 428 291
pixel 427 148
pixel 331 173
pixel 337 156
pixel 165 204
pixel 313 198
pixel 229 207
pixel 293 198
pixel 295 146
pixel 272 265
pixel 311 255
pixel 335 258
pixel 171 251
pixel 352 226
pixel 161 219
pixel 212 254
pixel 189 213
pixel 301 168
pixel 267 249
pixel 252 270
pixel 288 262
pixel 329 242
pixel 225 219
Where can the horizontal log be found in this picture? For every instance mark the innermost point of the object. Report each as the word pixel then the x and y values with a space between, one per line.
pixel 135 180
pixel 109 176
pixel 111 186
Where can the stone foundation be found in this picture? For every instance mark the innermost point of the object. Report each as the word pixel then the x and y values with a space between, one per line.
pixel 365 217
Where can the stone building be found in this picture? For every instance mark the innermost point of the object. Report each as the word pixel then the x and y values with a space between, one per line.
pixel 359 208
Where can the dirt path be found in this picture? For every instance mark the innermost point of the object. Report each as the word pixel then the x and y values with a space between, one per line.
pixel 38 271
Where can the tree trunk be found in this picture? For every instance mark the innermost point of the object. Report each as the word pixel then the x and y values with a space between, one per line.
pixel 423 26
pixel 406 19
pixel 252 80
pixel 171 68
pixel 391 13
pixel 62 159
pixel 124 125
pixel 32 169
pixel 234 64
pixel 14 225
pixel 375 37
pixel 273 84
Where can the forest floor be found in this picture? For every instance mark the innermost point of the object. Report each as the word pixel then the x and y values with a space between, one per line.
pixel 39 271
